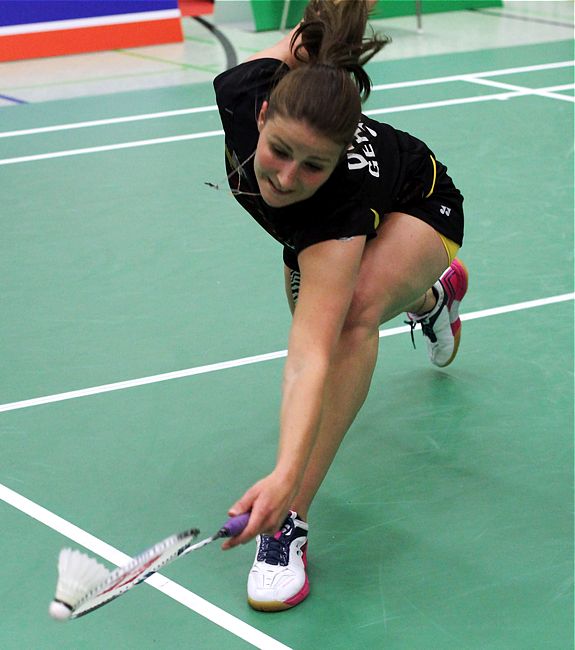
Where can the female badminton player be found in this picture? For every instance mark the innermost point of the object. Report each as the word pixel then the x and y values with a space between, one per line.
pixel 370 223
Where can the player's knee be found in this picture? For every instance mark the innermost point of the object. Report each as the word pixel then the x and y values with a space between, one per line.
pixel 361 319
pixel 363 311
pixel 370 309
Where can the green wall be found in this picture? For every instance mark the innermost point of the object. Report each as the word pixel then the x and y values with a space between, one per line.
pixel 268 13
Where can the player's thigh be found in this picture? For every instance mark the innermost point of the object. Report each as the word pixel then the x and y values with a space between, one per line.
pixel 398 266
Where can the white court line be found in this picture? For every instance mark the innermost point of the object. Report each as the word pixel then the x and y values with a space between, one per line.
pixel 168 587
pixel 201 109
pixel 235 363
pixel 110 147
pixel 208 134
pixel 465 100
pixel 112 120
pixel 469 76
pixel 543 92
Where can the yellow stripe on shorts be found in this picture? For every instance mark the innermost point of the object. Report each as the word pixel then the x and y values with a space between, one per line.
pixel 434 177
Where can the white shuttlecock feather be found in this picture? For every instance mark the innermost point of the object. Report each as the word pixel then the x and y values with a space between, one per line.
pixel 77 575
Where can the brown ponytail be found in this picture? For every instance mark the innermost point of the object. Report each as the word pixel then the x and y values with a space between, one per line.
pixel 327 91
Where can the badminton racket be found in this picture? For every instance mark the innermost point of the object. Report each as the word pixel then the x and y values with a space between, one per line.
pixel 85 585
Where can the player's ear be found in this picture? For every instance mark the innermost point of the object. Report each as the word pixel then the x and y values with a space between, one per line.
pixel 262 116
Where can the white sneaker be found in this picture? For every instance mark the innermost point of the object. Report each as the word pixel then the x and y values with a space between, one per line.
pixel 278 577
pixel 441 327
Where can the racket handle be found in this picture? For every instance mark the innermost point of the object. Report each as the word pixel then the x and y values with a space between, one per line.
pixel 234 525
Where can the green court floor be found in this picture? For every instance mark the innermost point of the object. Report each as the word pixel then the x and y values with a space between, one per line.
pixel 139 390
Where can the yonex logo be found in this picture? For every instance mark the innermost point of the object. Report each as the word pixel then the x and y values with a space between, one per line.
pixel 445 210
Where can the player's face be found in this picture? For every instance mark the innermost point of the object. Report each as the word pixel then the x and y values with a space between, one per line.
pixel 292 160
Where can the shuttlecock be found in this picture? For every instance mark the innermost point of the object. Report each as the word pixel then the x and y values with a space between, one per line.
pixel 78 574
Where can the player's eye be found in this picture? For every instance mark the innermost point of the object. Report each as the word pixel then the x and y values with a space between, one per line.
pixel 279 153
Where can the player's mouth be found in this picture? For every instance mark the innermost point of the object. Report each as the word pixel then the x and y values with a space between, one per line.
pixel 278 190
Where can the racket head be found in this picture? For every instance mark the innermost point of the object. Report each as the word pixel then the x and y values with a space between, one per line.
pixel 135 571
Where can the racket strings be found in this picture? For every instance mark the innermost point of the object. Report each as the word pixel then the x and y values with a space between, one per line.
pixel 235 191
pixel 94 589
pixel 134 572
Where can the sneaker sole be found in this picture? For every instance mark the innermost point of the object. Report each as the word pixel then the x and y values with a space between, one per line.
pixel 278 605
pixel 456 339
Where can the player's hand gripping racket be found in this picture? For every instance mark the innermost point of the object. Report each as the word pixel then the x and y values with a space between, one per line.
pixel 84 584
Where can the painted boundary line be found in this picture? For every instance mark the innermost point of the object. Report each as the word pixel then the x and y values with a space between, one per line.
pixel 235 363
pixel 474 75
pixel 105 122
pixel 501 96
pixel 14 100
pixel 168 587
pixel 110 147
pixel 470 77
pixel 543 92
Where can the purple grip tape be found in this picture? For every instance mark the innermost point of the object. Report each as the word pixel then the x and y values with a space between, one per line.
pixel 234 525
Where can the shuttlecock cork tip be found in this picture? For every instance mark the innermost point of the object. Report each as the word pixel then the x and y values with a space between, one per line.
pixel 59 611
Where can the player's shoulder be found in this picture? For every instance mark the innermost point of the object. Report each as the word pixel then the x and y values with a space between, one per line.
pixel 257 71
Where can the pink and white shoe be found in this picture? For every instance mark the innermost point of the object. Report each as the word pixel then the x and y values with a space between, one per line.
pixel 278 577
pixel 441 327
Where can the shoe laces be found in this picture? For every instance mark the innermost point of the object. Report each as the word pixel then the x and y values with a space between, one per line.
pixel 274 549
pixel 412 325
pixel 427 321
pixel 427 329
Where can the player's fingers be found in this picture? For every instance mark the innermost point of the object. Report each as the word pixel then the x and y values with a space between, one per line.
pixel 229 543
pixel 244 504
pixel 249 532
pixel 246 536
pixel 260 521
